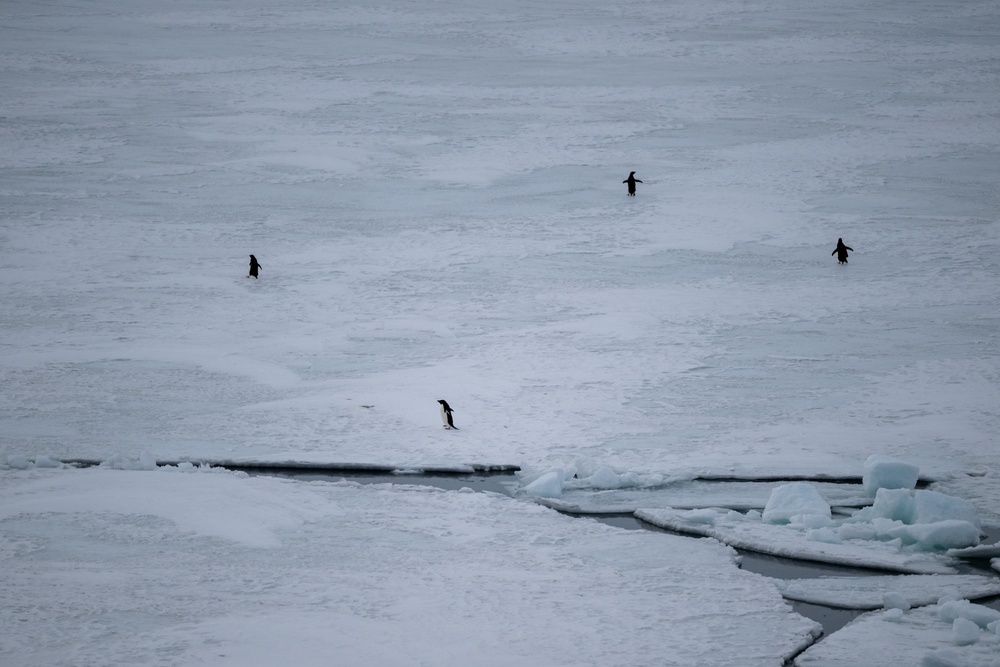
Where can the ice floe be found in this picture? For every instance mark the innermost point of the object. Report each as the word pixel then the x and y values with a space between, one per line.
pixel 793 540
pixel 797 500
pixel 949 634
pixel 927 520
pixel 981 551
pixel 127 567
pixel 875 592
pixel 588 488
pixel 587 476
pixel 917 507
pixel 904 529
pixel 886 472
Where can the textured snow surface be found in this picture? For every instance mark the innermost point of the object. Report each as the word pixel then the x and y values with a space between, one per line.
pixel 148 567
pixel 433 191
pixel 924 637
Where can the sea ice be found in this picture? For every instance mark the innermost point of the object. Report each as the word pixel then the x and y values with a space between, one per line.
pixel 981 551
pixel 924 519
pixel 682 492
pixel 948 534
pixel 893 615
pixel 19 462
pixel 900 522
pixel 751 533
pixel 218 568
pixel 964 632
pixel 46 462
pixel 948 658
pixel 603 478
pixel 124 461
pixel 874 592
pixel 584 476
pixel 547 485
pixel 895 601
pixel 931 507
pixel 916 637
pixel 795 499
pixel 823 535
pixel 913 507
pixel 433 224
pixel 885 472
pixel 976 613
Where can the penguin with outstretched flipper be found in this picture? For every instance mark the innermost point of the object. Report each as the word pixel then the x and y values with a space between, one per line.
pixel 631 180
pixel 841 251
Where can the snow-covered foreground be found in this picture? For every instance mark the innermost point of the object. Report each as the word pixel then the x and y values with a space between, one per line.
pixel 146 567
pixel 433 190
pixel 932 636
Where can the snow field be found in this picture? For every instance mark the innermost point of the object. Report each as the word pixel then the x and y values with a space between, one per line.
pixel 433 191
pixel 137 567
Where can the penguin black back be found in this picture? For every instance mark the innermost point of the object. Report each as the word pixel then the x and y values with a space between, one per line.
pixel 631 180
pixel 446 417
pixel 254 267
pixel 841 251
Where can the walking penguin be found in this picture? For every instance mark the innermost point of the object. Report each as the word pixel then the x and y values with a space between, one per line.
pixel 254 267
pixel 631 180
pixel 446 414
pixel 841 251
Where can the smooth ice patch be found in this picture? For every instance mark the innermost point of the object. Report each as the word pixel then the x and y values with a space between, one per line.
pixel 231 506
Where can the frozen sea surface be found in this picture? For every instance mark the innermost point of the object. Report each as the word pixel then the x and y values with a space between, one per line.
pixel 434 193
pixel 210 567
pixel 924 636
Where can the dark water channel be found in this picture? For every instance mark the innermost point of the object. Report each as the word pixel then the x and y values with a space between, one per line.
pixel 497 482
pixel 831 618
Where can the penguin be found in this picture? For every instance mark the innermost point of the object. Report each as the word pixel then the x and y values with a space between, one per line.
pixel 446 414
pixel 841 251
pixel 631 180
pixel 254 267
